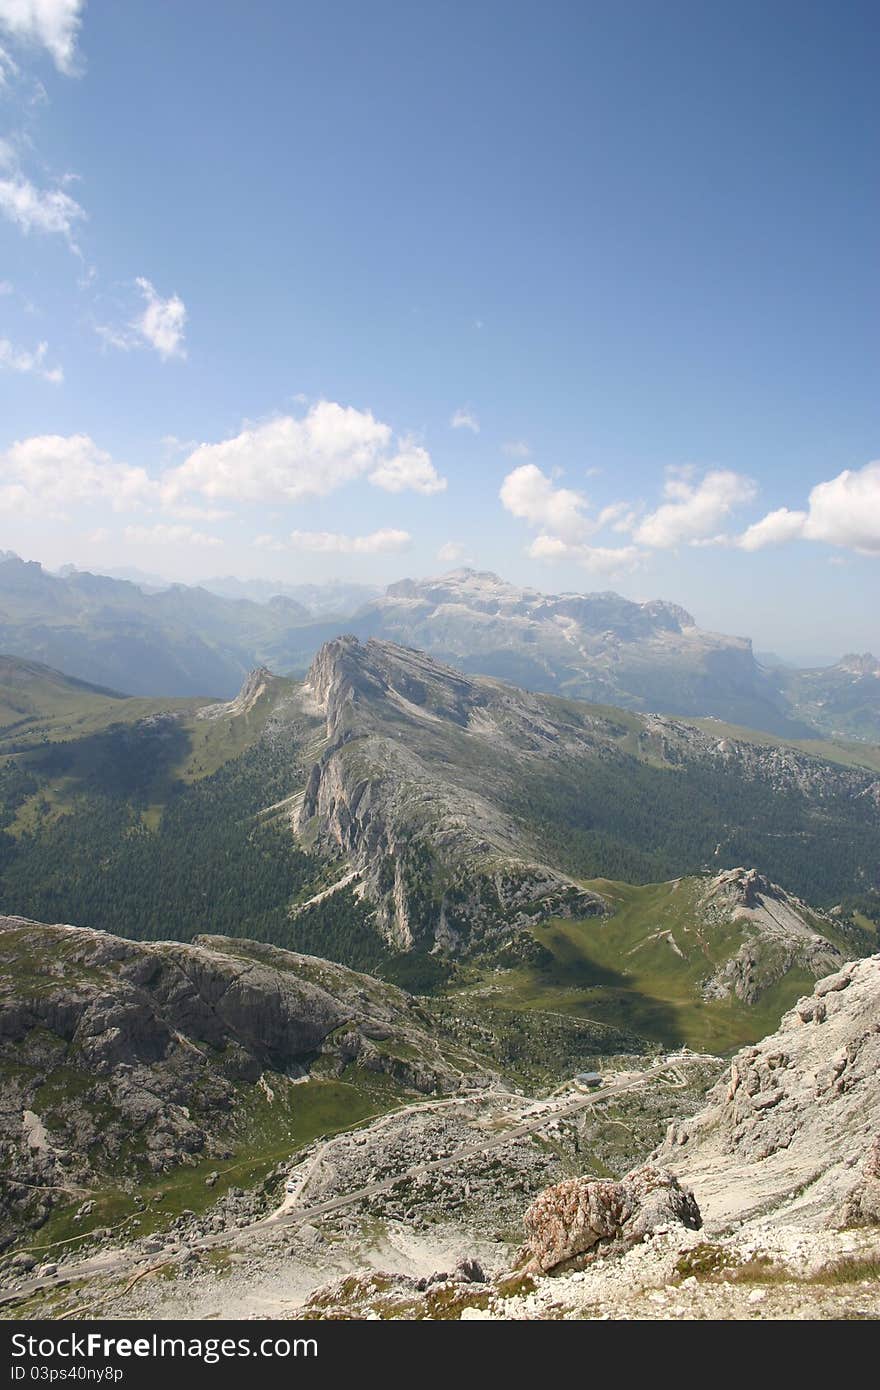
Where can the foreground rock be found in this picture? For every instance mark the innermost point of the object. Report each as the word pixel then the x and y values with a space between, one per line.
pixel 790 1131
pixel 588 1217
pixel 124 1059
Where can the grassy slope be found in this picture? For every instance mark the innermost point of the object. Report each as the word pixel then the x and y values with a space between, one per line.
pixel 618 971
pixel 42 710
pixel 269 1132
pixel 842 751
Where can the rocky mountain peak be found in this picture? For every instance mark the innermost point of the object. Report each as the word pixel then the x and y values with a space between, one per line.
pixel 256 684
pixel 864 664
pixel 347 672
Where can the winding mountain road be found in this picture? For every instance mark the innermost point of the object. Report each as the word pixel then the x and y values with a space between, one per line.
pixel 122 1261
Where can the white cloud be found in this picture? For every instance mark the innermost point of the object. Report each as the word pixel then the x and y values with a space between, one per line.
pixel 290 459
pixel 160 325
pixel 53 471
pixel 50 24
pixel 565 527
pixel 450 553
pixel 411 470
pixel 774 529
pixel 596 559
pixel 385 542
pixel 620 516
pixel 20 360
pixel 32 209
pixel 516 449
pixel 529 494
pixel 8 68
pixel 464 419
pixel 163 321
pixel 844 511
pixel 694 511
pixel 6 287
pixel 164 534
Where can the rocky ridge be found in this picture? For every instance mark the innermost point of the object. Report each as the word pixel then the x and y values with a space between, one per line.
pixel 420 774
pixel 124 1058
pixel 780 936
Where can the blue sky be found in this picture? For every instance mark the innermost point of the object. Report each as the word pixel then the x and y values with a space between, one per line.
pixel 584 293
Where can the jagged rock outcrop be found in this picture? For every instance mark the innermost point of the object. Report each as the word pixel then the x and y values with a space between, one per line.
pixel 789 1132
pixel 137 1056
pixel 780 935
pixel 588 1217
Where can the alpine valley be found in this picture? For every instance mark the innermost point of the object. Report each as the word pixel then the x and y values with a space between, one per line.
pixel 395 989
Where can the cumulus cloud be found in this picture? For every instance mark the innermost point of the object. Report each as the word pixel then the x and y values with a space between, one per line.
pixel 21 360
pixel 411 470
pixel 464 419
pixel 564 521
pixel 529 494
pixel 292 459
pixel 52 472
pixel 694 510
pixel 843 511
pixel 516 449
pixel 50 24
pixel 774 529
pixel 384 542
pixel 165 534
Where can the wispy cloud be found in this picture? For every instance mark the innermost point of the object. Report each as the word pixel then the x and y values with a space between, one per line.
pixel 384 542
pixel 164 534
pixel 50 24
pixel 50 211
pixel 21 360
pixel 451 553
pixel 160 324
pixel 464 419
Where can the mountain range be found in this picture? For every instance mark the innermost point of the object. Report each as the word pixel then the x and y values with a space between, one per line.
pixel 401 816
pixel 182 641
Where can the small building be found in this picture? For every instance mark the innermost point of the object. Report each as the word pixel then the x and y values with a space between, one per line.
pixel 589 1078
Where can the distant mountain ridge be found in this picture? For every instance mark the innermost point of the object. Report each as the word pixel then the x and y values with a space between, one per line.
pixel 652 656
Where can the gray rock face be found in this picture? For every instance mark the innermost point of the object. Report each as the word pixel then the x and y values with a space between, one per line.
pixel 781 930
pixel 586 1217
pixel 120 1053
pixel 403 788
pixel 791 1126
pixel 597 646
pixel 423 781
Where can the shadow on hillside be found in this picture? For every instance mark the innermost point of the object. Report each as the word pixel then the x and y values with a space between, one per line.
pixel 134 762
